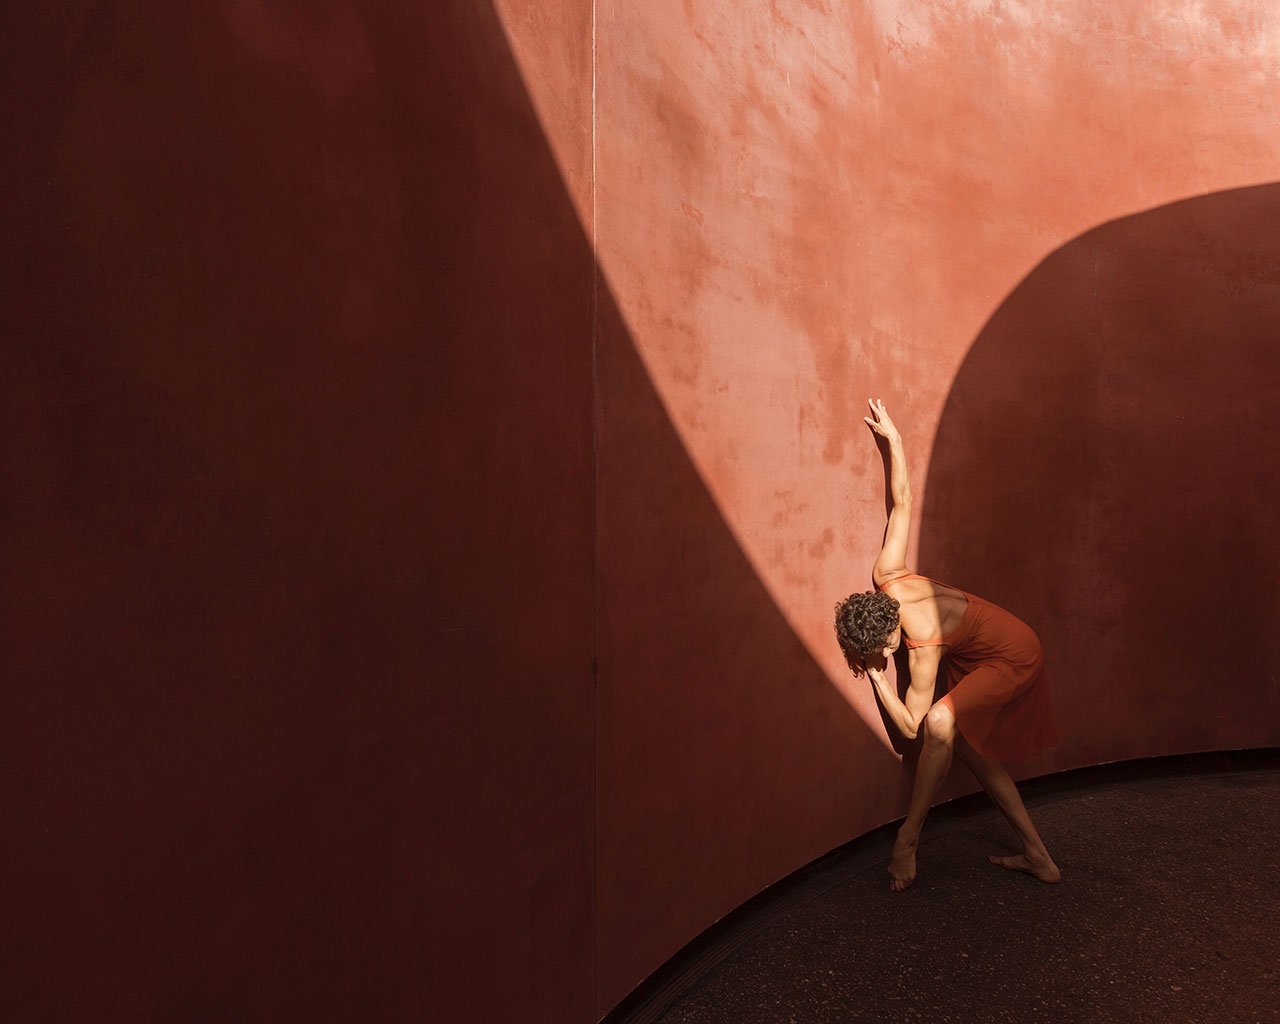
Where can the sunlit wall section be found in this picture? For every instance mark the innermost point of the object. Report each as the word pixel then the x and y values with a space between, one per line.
pixel 800 205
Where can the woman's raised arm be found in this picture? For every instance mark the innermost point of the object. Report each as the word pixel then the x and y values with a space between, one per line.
pixel 893 553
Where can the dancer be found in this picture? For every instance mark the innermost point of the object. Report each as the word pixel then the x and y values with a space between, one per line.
pixel 997 705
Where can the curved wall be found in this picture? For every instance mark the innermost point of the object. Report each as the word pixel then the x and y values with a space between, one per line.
pixel 803 204
pixel 306 552
pixel 297 495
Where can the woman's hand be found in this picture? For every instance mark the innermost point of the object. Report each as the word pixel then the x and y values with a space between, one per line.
pixel 874 665
pixel 882 424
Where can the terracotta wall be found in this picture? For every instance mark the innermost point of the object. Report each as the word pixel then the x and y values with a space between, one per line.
pixel 297 515
pixel 308 307
pixel 1027 228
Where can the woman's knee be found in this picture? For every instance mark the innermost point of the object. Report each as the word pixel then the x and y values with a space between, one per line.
pixel 940 724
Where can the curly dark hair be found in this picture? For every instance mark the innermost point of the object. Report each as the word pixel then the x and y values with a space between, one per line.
pixel 863 623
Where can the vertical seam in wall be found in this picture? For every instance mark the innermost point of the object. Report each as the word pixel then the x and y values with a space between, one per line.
pixel 595 555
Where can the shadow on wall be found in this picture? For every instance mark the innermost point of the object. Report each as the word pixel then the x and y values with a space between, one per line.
pixel 1107 466
pixel 303 510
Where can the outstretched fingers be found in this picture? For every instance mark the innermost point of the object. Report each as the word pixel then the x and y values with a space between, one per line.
pixel 879 420
pixel 876 412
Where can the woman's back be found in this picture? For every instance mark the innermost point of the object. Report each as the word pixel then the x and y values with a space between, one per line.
pixel 930 612
pixel 973 630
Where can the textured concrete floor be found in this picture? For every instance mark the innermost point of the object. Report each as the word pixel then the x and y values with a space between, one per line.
pixel 1168 911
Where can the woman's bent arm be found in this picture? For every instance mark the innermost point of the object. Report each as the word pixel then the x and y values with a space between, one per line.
pixel 924 676
pixel 919 699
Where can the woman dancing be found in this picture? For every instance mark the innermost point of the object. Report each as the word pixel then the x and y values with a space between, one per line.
pixel 997 705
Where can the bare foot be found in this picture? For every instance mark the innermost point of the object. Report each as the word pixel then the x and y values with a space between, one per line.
pixel 902 864
pixel 1040 865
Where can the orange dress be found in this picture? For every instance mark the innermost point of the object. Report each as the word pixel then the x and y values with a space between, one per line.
pixel 995 680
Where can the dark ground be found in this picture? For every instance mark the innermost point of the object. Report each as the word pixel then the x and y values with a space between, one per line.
pixel 1168 911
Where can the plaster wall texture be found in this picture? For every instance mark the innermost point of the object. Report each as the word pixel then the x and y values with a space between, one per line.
pixel 1030 230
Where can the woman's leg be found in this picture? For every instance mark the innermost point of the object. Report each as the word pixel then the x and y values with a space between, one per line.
pixel 1003 791
pixel 935 761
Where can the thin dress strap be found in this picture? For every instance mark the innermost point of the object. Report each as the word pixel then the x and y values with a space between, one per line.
pixel 905 575
pixel 912 644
